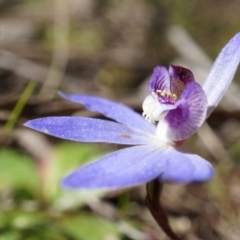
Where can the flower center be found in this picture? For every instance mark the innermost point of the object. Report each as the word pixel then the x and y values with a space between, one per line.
pixel 165 97
pixel 154 109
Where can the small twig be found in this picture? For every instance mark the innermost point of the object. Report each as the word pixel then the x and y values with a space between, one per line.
pixel 19 106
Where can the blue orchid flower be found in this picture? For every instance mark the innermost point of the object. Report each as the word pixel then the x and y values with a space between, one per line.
pixel 175 108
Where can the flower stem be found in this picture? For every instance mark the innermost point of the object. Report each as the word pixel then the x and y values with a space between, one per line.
pixel 154 190
pixel 19 107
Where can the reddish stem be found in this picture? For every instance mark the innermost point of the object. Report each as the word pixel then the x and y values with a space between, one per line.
pixel 155 207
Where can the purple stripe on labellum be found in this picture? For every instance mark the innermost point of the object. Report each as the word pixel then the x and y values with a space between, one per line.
pixel 182 122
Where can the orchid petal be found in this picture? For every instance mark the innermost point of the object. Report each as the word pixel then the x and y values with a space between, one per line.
pixel 182 122
pixel 185 168
pixel 222 73
pixel 113 110
pixel 203 170
pixel 87 130
pixel 124 168
pixel 160 80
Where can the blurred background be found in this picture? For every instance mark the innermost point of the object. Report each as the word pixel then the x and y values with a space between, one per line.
pixel 109 48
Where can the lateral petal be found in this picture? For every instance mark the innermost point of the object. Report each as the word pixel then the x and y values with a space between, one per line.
pixel 185 168
pixel 124 168
pixel 113 110
pixel 203 169
pixel 182 122
pixel 82 129
pixel 222 73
